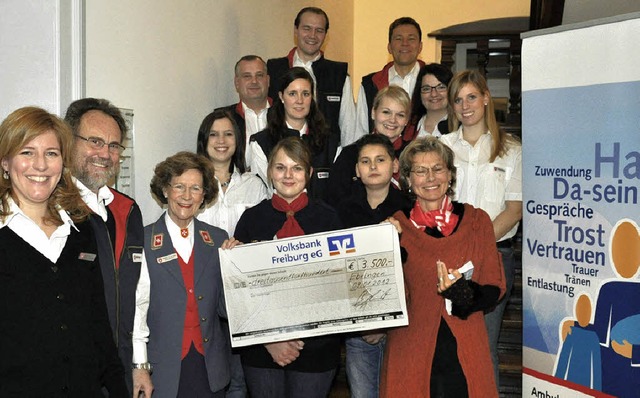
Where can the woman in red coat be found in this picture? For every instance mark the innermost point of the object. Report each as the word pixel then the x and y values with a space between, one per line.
pixel 444 352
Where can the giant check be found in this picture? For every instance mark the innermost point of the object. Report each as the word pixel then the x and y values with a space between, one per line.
pixel 334 282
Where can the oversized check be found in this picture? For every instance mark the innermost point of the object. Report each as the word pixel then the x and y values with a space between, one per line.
pixel 335 282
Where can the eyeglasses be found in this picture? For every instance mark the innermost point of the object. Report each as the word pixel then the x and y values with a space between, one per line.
pixel 424 171
pixel 195 190
pixel 98 143
pixel 427 89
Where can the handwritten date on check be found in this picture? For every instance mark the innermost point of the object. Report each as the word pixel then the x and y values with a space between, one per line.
pixel 334 282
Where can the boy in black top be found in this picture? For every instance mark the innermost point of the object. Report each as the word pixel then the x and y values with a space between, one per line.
pixel 374 200
pixel 370 203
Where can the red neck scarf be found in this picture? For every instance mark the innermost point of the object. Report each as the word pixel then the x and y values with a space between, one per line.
pixel 290 227
pixel 443 219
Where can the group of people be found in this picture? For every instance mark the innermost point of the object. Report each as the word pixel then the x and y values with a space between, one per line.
pixel 118 309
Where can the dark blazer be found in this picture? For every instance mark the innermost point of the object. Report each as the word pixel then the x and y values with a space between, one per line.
pixel 120 281
pixel 168 302
pixel 55 338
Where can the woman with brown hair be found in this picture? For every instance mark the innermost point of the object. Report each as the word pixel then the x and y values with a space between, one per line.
pixel 429 101
pixel 52 305
pixel 296 114
pixel 285 369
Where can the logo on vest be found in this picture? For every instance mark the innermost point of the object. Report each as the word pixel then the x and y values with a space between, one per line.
pixel 206 237
pixel 157 241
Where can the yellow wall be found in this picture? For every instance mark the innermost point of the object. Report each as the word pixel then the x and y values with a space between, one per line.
pixel 339 44
pixel 372 19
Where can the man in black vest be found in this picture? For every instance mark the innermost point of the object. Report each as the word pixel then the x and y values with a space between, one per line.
pixel 405 44
pixel 99 131
pixel 334 94
pixel 252 84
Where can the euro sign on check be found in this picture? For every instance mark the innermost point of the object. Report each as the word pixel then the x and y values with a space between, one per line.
pixel 334 282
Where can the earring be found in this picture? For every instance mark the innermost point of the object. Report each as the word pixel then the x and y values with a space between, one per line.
pixel 5 175
pixel 449 183
pixel 486 103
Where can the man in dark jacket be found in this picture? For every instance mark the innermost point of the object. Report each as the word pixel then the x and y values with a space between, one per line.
pixel 405 44
pixel 99 131
pixel 333 87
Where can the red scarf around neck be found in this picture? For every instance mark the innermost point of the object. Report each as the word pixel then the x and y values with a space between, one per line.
pixel 443 218
pixel 290 227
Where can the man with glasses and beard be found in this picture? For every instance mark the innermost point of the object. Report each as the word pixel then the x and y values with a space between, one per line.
pixel 99 130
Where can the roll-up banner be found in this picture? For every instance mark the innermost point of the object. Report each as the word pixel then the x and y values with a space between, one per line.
pixel 581 242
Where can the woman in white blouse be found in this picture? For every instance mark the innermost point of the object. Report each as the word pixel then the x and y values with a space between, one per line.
pixel 489 171
pixel 220 140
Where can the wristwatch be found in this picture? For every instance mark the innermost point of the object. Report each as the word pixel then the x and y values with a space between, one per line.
pixel 144 366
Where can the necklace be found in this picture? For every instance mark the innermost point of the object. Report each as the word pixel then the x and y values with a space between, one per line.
pixel 224 184
pixel 184 232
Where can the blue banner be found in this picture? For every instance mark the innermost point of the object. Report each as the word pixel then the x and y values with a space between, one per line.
pixel 581 243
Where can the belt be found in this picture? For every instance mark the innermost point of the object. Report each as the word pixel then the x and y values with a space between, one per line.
pixel 505 244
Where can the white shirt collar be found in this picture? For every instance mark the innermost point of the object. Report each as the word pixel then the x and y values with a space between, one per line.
pixel 423 133
pixel 303 130
pixel 97 203
pixel 246 109
pixel 298 61
pixel 483 137
pixel 49 246
pixel 414 71
pixel 183 246
pixel 16 211
pixel 408 82
pixel 308 65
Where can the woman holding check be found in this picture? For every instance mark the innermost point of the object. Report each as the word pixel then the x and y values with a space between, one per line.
pixel 296 368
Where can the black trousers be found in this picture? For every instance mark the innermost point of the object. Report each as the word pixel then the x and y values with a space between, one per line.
pixel 194 380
